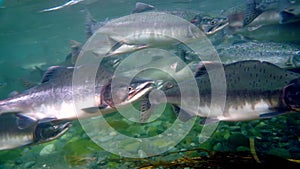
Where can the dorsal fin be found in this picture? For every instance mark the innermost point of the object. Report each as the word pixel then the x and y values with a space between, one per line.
pixel 182 114
pixel 142 7
pixel 52 72
pixel 89 23
pixel 28 84
pixel 201 68
pixel 76 48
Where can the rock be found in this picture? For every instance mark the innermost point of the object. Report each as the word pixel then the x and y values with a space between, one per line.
pixel 238 139
pixel 18 161
pixel 280 152
pixel 49 149
pixel 29 164
pixel 218 147
pixel 242 148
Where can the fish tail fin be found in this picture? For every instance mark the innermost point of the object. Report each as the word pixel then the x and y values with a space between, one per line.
pixel 183 115
pixel 286 17
pixel 75 50
pixel 90 22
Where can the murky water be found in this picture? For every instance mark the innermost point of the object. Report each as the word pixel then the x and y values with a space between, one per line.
pixel 31 40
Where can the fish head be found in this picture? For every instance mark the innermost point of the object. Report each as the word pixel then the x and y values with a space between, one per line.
pixel 291 95
pixel 289 16
pixel 209 25
pixel 289 11
pixel 170 88
pixel 49 129
pixel 118 92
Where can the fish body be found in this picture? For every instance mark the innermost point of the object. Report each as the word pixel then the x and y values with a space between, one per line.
pixel 55 96
pixel 149 29
pixel 255 14
pixel 209 25
pixel 68 3
pixel 255 90
pixel 276 33
pixel 280 54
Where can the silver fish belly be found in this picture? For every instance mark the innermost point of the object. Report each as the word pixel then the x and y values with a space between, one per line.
pixel 54 97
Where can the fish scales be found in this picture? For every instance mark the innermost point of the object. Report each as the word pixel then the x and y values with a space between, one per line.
pixel 253 88
pixel 131 28
pixel 12 134
pixel 54 97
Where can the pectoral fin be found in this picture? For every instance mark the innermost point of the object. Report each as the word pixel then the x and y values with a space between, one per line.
pixel 92 110
pixel 270 114
pixel 209 120
pixel 183 115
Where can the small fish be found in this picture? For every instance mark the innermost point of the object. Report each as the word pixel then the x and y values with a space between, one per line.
pixel 142 7
pixel 17 130
pixel 69 3
pixel 255 90
pixel 281 54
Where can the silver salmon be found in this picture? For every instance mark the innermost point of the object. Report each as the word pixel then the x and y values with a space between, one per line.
pixel 255 90
pixel 54 97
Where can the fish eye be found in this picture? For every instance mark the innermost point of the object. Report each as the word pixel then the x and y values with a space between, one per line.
pixel 292 1
pixel 169 85
pixel 130 88
pixel 213 22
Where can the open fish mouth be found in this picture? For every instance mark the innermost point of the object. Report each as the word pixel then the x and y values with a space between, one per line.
pixel 140 90
pixel 209 30
pixel 210 25
pixel 50 129
pixel 291 95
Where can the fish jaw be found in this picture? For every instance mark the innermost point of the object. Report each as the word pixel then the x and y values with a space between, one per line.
pixel 140 91
pixel 210 25
pixel 291 96
pixel 50 129
pixel 136 91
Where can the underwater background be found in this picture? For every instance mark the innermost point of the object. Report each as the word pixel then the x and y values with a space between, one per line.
pixel 32 41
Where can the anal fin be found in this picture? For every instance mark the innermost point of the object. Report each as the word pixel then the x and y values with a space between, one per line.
pixel 182 114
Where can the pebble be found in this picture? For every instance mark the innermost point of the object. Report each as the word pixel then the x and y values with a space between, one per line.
pixel 29 164
pixel 280 152
pixel 49 149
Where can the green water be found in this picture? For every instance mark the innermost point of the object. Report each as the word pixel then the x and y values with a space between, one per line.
pixel 29 38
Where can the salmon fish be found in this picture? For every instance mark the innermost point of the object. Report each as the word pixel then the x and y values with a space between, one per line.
pixel 255 90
